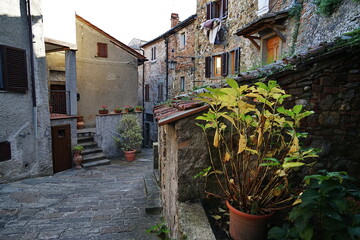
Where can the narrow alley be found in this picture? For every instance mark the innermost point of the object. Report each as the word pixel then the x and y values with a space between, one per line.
pixel 106 202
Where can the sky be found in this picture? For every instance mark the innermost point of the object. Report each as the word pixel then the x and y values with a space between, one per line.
pixel 124 20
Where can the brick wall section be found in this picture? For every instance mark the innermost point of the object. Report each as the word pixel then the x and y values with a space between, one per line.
pixel 330 86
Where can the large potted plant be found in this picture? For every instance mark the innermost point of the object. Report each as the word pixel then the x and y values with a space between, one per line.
pixel 129 136
pixel 254 148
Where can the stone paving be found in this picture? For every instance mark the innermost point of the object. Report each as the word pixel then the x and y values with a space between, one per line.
pixel 106 202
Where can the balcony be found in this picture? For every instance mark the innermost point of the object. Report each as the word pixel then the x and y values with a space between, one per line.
pixel 59 103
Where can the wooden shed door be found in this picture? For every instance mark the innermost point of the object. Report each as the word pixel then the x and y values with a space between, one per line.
pixel 61 148
pixel 273 45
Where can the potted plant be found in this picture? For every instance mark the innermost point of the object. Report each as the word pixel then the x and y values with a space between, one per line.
pixel 118 110
pixel 129 136
pixel 257 148
pixel 129 108
pixel 139 109
pixel 78 159
pixel 104 109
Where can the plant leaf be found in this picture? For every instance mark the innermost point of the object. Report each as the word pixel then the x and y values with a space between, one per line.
pixel 242 143
pixel 292 165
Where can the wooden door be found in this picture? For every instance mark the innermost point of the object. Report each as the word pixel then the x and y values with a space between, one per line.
pixel 58 98
pixel 272 49
pixel 61 148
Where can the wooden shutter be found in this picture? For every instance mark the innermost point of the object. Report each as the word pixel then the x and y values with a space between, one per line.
pixel 154 53
pixel 102 50
pixel 15 69
pixel 5 151
pixel 224 64
pixel 207 67
pixel 147 93
pixel 237 60
pixel 224 7
pixel 208 10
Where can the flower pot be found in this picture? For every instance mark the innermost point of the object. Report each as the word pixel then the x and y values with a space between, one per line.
pixel 117 111
pixel 130 155
pixel 78 159
pixel 80 122
pixel 138 110
pixel 245 226
pixel 103 111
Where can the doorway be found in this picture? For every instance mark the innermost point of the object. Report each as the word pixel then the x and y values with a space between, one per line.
pixel 61 148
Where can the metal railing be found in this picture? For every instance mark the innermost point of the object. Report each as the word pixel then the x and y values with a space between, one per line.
pixel 59 101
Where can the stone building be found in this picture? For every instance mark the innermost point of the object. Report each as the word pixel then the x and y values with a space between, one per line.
pixel 242 35
pixel 170 69
pixel 107 71
pixel 25 136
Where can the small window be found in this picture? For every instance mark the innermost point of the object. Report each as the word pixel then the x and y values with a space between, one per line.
pixel 263 7
pixel 153 53
pixel 13 69
pixel 216 9
pixel 160 92
pixel 147 92
pixel 182 84
pixel 149 117
pixel 182 40
pixel 217 66
pixel 102 50
pixel 5 151
pixel 234 65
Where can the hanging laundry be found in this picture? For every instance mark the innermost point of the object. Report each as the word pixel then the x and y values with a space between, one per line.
pixel 211 28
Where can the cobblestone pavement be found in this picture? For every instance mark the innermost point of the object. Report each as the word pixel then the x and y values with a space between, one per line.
pixel 104 202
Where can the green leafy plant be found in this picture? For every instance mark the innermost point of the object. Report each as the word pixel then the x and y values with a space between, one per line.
pixel 254 145
pixel 104 108
pixel 139 108
pixel 329 209
pixel 118 109
pixel 129 108
pixel 128 133
pixel 160 230
pixel 327 7
pixel 78 148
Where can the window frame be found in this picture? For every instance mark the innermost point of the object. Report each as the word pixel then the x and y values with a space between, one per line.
pixel 153 53
pixel 217 9
pixel 217 69
pixel 102 50
pixel 182 40
pixel 182 84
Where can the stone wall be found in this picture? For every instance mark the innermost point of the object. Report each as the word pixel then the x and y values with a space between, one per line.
pixel 106 128
pixel 25 125
pixel 182 154
pixel 313 29
pixel 330 86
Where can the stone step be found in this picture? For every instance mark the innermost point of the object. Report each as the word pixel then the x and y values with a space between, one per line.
pixel 85 139
pixel 96 163
pixel 94 156
pixel 152 193
pixel 87 145
pixel 88 151
pixel 85 134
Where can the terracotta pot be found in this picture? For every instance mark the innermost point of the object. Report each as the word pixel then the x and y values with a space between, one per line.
pixel 130 155
pixel 103 111
pixel 116 111
pixel 78 159
pixel 138 110
pixel 126 110
pixel 245 226
pixel 80 125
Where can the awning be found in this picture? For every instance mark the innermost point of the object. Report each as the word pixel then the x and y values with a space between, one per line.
pixel 272 21
pixel 52 45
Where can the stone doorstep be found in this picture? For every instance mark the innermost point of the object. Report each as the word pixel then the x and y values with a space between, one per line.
pixel 94 156
pixel 152 193
pixel 91 151
pixel 85 139
pixel 193 222
pixel 89 144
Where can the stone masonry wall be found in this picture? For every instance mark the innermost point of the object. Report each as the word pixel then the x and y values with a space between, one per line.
pixel 185 58
pixel 330 86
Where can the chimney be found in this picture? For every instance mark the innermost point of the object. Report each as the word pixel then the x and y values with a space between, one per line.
pixel 174 19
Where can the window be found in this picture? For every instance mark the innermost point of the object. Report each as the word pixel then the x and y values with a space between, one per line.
pixel 153 53
pixel 5 151
pixel 182 40
pixel 263 7
pixel 13 69
pixel 217 9
pixel 149 117
pixel 160 92
pixel 223 65
pixel 217 66
pixel 147 92
pixel 102 50
pixel 182 84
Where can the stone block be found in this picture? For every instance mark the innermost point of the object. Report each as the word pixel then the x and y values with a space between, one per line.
pixel 331 90
pixel 326 81
pixel 354 78
pixel 329 119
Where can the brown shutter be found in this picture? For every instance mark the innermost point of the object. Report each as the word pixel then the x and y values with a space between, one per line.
pixel 15 69
pixel 215 10
pixel 208 10
pixel 207 67
pixel 102 50
pixel 224 7
pixel 147 93
pixel 224 64
pixel 237 60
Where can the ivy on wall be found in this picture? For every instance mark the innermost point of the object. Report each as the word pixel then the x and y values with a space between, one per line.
pixel 327 7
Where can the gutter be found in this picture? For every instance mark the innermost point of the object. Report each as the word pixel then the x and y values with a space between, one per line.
pixel 32 68
pixel 167 68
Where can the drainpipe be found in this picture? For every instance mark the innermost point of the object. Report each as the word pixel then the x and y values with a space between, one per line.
pixel 32 68
pixel 143 96
pixel 167 69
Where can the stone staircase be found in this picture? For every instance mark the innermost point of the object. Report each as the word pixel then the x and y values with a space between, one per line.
pixel 92 154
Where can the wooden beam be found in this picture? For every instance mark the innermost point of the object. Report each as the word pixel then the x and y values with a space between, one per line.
pixel 254 42
pixel 277 32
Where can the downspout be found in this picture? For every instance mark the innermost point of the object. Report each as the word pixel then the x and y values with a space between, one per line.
pixel 167 68
pixel 143 96
pixel 32 68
